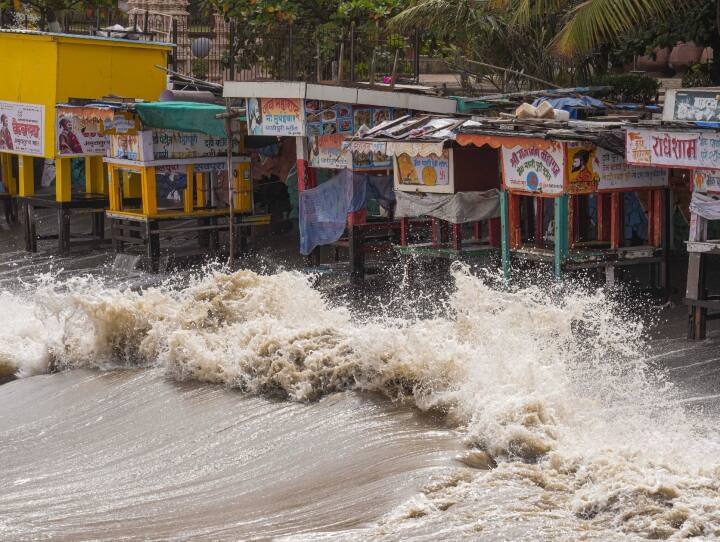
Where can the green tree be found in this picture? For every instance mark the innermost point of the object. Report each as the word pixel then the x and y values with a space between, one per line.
pixel 47 10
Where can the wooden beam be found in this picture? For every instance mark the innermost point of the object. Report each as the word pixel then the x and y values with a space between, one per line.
pixel 149 191
pixel 561 233
pixel 6 174
pixel 63 179
pixel 505 233
pixel 189 189
pixel 26 173
pixel 617 220
pixel 514 221
pixel 539 222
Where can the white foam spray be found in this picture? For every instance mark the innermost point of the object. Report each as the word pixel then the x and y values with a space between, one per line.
pixel 555 390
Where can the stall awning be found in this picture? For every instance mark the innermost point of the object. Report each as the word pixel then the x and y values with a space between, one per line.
pixel 183 116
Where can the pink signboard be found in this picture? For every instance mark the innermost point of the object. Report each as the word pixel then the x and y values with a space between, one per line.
pixel 673 149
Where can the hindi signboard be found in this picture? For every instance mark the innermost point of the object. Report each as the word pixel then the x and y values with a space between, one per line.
pixel 22 128
pixel 431 173
pixel 617 174
pixel 370 155
pixel 276 116
pixel 698 149
pixel 169 144
pixel 534 167
pixel 692 104
pixel 330 152
pixel 80 131
pixel 706 180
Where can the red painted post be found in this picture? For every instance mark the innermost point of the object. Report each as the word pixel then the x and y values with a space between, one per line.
pixel 457 236
pixel 494 232
pixel 539 222
pixel 656 220
pixel 404 230
pixel 617 220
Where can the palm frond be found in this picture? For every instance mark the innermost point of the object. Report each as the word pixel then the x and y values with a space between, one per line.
pixel 594 22
pixel 444 16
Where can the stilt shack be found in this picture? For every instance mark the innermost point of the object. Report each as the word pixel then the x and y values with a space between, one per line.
pixel 41 70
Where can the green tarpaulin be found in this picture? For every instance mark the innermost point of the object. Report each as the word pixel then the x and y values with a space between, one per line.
pixel 183 116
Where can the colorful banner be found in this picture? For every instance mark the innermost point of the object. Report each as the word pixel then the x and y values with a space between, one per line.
pixel 430 170
pixel 706 180
pixel 534 168
pixel 673 149
pixel 369 155
pixel 582 175
pixel 325 118
pixel 330 152
pixel 276 116
pixel 136 147
pixel 617 174
pixel 80 131
pixel 22 128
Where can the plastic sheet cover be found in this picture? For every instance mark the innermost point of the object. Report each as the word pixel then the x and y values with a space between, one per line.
pixel 323 210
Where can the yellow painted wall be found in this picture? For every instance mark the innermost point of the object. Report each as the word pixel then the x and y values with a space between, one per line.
pixel 29 68
pixel 49 69
pixel 107 68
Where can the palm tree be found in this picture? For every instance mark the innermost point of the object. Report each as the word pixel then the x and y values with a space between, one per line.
pixel 586 24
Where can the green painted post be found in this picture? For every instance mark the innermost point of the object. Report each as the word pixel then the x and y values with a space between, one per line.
pixel 505 233
pixel 561 233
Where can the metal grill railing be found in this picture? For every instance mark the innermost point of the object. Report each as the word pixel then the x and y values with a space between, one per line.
pixel 217 50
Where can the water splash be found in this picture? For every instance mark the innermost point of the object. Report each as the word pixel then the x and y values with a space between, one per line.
pixel 554 389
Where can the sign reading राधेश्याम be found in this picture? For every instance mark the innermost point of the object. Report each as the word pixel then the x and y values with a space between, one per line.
pixel 22 128
pixel 699 149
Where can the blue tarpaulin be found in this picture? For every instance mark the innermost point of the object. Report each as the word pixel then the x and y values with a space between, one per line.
pixel 323 210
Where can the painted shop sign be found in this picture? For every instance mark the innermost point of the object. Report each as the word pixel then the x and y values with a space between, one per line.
pixel 673 149
pixel 534 167
pixel 430 170
pixel 169 144
pixel 696 105
pixel 80 131
pixel 334 151
pixel 330 152
pixel 617 174
pixel 136 147
pixel 276 116
pixel 370 155
pixel 325 118
pixel 149 145
pixel 583 173
pixel 706 180
pixel 22 128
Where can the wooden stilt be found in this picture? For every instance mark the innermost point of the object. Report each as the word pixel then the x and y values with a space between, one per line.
pixel 495 232
pixel 505 233
pixel 404 231
pixel 457 236
pixel 561 233
pixel 189 192
pixel 6 174
pixel 514 221
pixel 26 172
pixel 149 192
pixel 63 179
pixel 617 220
pixel 539 222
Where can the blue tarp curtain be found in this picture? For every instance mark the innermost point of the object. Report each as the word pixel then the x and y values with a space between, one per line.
pixel 323 210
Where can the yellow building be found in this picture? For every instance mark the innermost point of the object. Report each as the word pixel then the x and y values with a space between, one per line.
pixel 41 70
